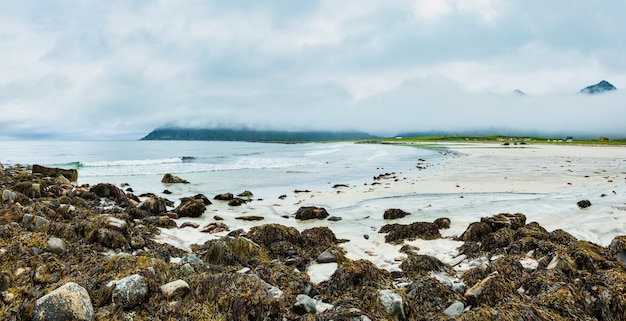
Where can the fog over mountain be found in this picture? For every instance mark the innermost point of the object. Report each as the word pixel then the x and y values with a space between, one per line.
pixel 118 69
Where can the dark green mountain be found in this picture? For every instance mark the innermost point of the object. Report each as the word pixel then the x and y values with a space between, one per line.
pixel 249 135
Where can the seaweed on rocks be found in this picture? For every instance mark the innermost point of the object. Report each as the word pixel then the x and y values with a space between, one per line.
pixel 397 233
pixel 231 251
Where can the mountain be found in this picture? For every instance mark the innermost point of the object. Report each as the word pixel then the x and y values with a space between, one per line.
pixel 598 88
pixel 251 135
pixel 519 92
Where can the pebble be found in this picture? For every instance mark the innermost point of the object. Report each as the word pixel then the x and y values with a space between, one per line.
pixel 130 291
pixel 178 288
pixel 454 309
pixel 326 257
pixel 56 245
pixel 68 302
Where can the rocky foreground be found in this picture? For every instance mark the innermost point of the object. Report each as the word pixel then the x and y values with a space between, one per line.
pixel 87 253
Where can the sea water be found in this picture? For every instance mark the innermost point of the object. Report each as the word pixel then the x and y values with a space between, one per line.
pixel 269 170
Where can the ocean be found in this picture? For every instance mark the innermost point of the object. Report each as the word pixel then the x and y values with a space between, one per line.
pixel 268 170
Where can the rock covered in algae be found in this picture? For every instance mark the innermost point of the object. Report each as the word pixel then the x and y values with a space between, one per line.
pixel 173 179
pixel 311 212
pixel 191 208
pixel 240 296
pixel 68 302
pixel 400 232
pixel 394 213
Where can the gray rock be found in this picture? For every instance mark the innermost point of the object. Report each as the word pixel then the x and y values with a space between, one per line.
pixel 56 245
pixel 454 309
pixel 130 291
pixel 188 269
pixel 326 257
pixel 8 195
pixel 34 223
pixel 304 304
pixel 191 258
pixel 178 288
pixel 392 302
pixel 68 302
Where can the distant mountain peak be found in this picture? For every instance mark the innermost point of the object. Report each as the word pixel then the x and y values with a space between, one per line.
pixel 519 92
pixel 598 88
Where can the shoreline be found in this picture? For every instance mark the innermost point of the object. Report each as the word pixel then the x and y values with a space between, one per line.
pixel 484 262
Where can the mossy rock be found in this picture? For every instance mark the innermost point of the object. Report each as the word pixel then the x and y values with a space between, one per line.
pixel 499 239
pixel 512 310
pixel 589 256
pixel 231 251
pixel 564 299
pixel 353 275
pixel 475 232
pixel 492 290
pixel 239 297
pixel 96 229
pixel 278 239
pixel 505 220
pixel 284 277
pixel 173 179
pixel 417 264
pixel 427 297
pixel 397 233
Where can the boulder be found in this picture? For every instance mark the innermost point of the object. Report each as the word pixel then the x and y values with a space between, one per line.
pixel 71 174
pixel 311 212
pixel 394 213
pixel 191 208
pixel 172 179
pixel 130 291
pixel 68 302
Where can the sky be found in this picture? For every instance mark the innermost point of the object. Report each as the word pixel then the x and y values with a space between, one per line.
pixel 119 69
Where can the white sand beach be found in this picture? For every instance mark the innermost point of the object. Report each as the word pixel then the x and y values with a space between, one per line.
pixel 544 182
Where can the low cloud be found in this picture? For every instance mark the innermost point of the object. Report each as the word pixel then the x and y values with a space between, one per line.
pixel 117 70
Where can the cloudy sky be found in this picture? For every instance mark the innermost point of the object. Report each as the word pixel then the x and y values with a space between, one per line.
pixel 118 69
